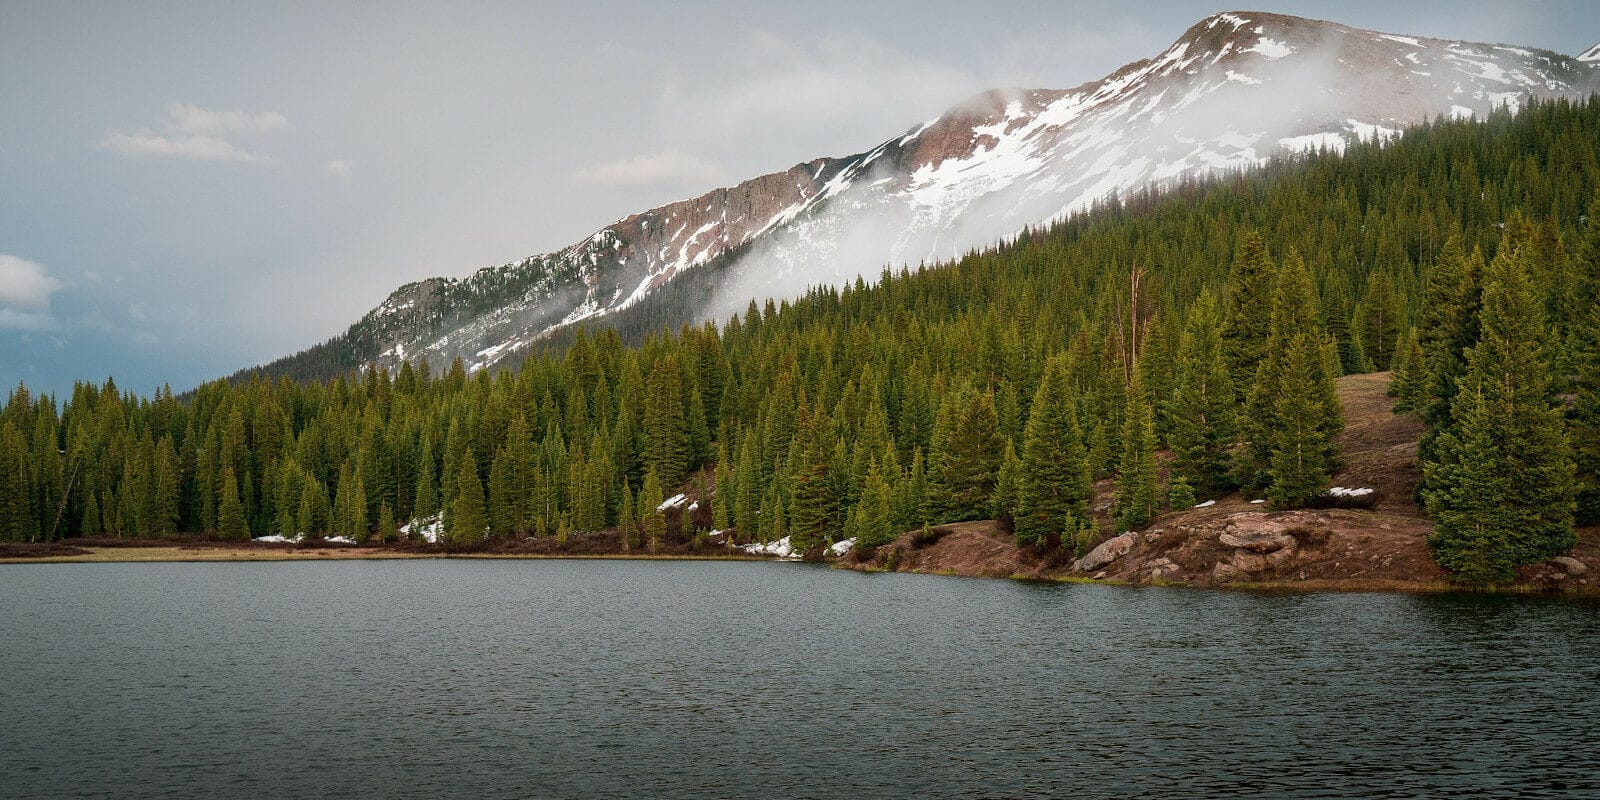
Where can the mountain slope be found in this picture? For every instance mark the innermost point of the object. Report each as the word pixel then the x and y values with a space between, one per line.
pixel 1233 91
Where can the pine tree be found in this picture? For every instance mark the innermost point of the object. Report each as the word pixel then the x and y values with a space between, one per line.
pixel 871 523
pixel 666 431
pixel 747 502
pixel 1202 405
pixel 1136 495
pixel 503 518
pixel 1583 353
pixel 814 497
pixel 230 510
pixel 1298 464
pixel 1380 319
pixel 1294 314
pixel 726 490
pixel 466 521
pixel 1245 330
pixel 1408 383
pixel 1511 423
pixel 1008 488
pixel 427 502
pixel 387 530
pixel 651 519
pixel 1473 521
pixel 969 459
pixel 1054 490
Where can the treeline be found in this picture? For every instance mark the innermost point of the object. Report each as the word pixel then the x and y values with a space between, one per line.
pixel 1210 321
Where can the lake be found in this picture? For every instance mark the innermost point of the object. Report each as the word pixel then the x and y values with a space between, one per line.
pixel 479 678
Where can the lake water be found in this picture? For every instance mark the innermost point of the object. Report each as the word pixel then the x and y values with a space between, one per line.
pixel 724 679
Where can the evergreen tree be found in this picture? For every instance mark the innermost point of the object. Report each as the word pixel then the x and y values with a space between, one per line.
pixel 1294 314
pixel 427 502
pixel 747 502
pixel 1202 405
pixel 1299 438
pixel 1054 489
pixel 466 521
pixel 1380 322
pixel 1505 421
pixel 666 431
pixel 870 519
pixel 1136 495
pixel 969 459
pixel 1409 381
pixel 231 523
pixel 1583 353
pixel 1245 330
pixel 651 519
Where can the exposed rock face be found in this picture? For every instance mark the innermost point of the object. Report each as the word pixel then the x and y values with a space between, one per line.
pixel 1234 90
pixel 1108 551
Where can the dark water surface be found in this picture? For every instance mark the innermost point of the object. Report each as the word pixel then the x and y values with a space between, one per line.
pixel 683 679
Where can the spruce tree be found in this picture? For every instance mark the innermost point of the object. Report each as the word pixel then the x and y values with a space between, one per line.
pixel 1583 353
pixel 1504 419
pixel 1202 406
pixel 1246 327
pixel 1136 493
pixel 1054 488
pixel 651 519
pixel 969 460
pixel 1298 461
pixel 1294 314
pixel 872 524
pixel 231 523
pixel 666 431
pixel 467 521
pixel 427 502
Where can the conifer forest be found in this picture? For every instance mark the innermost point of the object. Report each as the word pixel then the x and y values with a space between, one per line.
pixel 1182 343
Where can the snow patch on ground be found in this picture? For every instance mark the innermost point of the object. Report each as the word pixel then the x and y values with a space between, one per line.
pixel 672 502
pixel 1206 504
pixel 1341 491
pixel 780 548
pixel 1313 142
pixel 1271 48
pixel 429 529
pixel 840 548
pixel 277 539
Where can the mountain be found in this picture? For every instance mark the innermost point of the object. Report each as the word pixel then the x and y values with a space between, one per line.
pixel 1235 90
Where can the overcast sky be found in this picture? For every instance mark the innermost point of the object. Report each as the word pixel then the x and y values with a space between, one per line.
pixel 190 188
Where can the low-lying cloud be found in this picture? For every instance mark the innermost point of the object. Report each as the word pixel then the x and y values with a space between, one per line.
pixel 25 289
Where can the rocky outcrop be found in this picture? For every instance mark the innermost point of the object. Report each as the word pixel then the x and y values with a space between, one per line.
pixel 1107 552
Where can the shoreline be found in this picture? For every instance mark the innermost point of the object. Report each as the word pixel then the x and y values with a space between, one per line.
pixel 210 553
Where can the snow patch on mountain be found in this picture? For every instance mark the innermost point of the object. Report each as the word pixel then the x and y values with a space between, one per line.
pixel 1236 89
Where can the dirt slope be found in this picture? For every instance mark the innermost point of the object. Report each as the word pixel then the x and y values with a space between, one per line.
pixel 1235 542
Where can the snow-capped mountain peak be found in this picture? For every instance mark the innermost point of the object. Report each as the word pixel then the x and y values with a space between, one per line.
pixel 1234 90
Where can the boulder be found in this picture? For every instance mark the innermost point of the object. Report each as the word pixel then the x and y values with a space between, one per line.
pixel 1110 550
pixel 1257 541
pixel 1572 565
pixel 1222 573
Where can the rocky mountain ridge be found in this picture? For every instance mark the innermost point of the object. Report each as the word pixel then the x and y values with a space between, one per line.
pixel 1235 90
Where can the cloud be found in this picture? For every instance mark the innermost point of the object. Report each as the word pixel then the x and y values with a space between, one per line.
pixel 190 119
pixel 837 93
pixel 339 167
pixel 198 134
pixel 664 168
pixel 194 148
pixel 25 290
